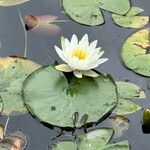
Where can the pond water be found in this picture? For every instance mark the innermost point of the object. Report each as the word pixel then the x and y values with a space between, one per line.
pixel 41 50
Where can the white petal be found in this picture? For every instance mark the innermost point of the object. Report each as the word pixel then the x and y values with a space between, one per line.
pixel 93 44
pixel 74 40
pixel 64 68
pixel 96 63
pixel 78 73
pixel 67 45
pixel 60 53
pixel 101 53
pixel 63 43
pixel 84 41
pixel 90 73
pixel 102 60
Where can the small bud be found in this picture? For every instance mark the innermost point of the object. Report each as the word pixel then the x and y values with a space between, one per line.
pixel 146 117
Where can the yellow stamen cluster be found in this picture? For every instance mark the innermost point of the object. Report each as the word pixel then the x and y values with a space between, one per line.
pixel 80 54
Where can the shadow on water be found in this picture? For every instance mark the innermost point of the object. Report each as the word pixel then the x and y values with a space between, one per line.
pixel 41 50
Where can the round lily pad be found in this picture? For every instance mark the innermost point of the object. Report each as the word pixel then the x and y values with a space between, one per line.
pixel 13 71
pixel 12 2
pixel 136 52
pixel 96 140
pixel 53 100
pixel 127 93
pixel 131 19
pixel 88 12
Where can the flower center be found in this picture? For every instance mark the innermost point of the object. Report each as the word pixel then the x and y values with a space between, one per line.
pixel 80 54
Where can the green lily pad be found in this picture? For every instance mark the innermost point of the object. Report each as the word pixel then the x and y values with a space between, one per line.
pixel 136 52
pixel 131 19
pixel 127 93
pixel 3 148
pixel 88 12
pixel 51 99
pixel 96 140
pixel 65 145
pixel 120 124
pixel 13 71
pixel 12 2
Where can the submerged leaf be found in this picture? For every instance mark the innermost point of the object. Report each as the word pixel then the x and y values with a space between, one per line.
pixel 45 24
pixel 12 2
pixel 120 124
pixel 131 20
pixel 51 99
pixel 127 93
pixel 14 141
pixel 88 12
pixel 135 52
pixel 96 140
pixel 13 71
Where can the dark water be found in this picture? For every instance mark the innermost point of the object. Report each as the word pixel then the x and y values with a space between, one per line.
pixel 41 50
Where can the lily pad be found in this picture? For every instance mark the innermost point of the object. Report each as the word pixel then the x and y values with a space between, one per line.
pixel 136 52
pixel 12 2
pixel 127 93
pixel 88 12
pixel 53 100
pixel 97 140
pixel 120 124
pixel 3 148
pixel 131 19
pixel 13 71
pixel 66 145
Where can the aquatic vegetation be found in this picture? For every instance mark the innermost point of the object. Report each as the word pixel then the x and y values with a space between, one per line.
pixel 13 72
pixel 146 117
pixel 89 12
pixel 12 2
pixel 131 19
pixel 94 140
pixel 80 56
pixel 49 97
pixel 127 93
pixel 120 125
pixel 72 96
pixel 135 52
pixel 45 24
pixel 12 141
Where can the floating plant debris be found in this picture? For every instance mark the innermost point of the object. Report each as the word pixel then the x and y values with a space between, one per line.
pixel 127 93
pixel 131 19
pixel 13 141
pixel 47 88
pixel 135 52
pixel 120 124
pixel 13 72
pixel 45 24
pixel 89 12
pixel 12 2
pixel 94 140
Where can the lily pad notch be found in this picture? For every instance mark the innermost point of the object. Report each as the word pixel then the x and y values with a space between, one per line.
pixel 88 12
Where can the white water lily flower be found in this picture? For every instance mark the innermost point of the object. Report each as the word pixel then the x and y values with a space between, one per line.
pixel 80 56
